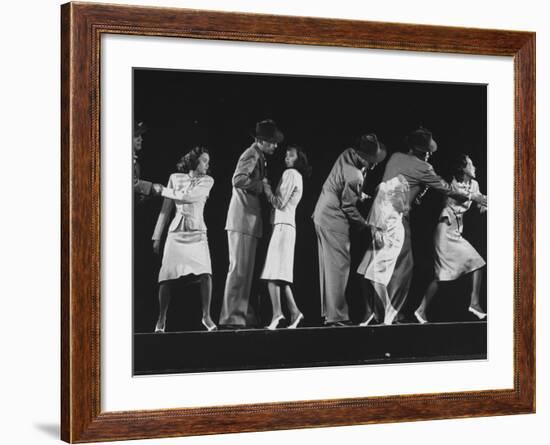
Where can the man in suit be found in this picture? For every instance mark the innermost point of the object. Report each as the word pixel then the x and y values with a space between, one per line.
pixel 244 224
pixel 419 174
pixel 142 189
pixel 334 213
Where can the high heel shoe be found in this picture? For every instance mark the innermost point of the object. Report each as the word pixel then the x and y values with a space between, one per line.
pixel 209 328
pixel 296 322
pixel 160 327
pixel 275 322
pixel 367 321
pixel 478 314
pixel 419 317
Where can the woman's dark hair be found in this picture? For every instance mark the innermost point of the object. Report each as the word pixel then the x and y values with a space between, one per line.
pixel 458 163
pixel 301 164
pixel 190 160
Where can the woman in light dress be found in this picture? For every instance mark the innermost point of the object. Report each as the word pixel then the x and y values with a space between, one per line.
pixel 279 263
pixel 454 255
pixel 186 249
pixel 388 235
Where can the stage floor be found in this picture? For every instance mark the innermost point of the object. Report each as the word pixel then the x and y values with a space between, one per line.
pixel 246 349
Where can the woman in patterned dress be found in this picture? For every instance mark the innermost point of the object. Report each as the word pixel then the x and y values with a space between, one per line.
pixel 279 263
pixel 186 249
pixel 454 255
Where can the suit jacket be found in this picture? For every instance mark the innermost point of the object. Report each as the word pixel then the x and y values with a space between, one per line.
pixel 244 214
pixel 337 205
pixel 188 195
pixel 418 173
pixel 286 198
pixel 141 188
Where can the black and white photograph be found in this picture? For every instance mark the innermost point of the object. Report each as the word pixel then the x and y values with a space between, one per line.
pixel 275 222
pixel 284 221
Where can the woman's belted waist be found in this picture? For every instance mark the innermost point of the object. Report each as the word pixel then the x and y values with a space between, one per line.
pixel 187 222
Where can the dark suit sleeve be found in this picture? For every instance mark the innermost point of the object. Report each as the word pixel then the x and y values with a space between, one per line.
pixel 143 187
pixel 242 178
pixel 165 211
pixel 436 182
pixel 350 196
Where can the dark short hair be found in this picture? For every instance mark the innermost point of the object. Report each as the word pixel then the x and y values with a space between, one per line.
pixel 458 163
pixel 302 163
pixel 190 160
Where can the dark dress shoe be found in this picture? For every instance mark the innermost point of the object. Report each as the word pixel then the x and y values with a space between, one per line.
pixel 230 327
pixel 340 323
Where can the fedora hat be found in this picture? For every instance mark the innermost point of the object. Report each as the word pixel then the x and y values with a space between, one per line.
pixel 369 146
pixel 267 130
pixel 421 139
pixel 139 128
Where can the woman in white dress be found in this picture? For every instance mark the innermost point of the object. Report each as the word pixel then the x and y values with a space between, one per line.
pixel 279 263
pixel 454 255
pixel 186 249
pixel 385 220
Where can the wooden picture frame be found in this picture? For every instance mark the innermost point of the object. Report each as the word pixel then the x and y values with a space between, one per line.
pixel 82 25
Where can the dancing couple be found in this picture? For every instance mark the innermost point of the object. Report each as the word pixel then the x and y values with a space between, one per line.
pixel 388 263
pixel 244 228
pixel 186 252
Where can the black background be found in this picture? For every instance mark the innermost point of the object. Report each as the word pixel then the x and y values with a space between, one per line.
pixel 324 115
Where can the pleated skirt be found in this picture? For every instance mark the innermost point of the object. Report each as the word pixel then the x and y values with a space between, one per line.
pixel 279 262
pixel 185 253
pixel 454 255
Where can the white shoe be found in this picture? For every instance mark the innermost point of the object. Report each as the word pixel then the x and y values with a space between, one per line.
pixel 367 321
pixel 420 319
pixel 160 327
pixel 275 323
pixel 478 314
pixel 296 322
pixel 209 328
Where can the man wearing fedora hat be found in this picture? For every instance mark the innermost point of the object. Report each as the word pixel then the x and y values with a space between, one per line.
pixel 244 224
pixel 335 211
pixel 142 189
pixel 413 166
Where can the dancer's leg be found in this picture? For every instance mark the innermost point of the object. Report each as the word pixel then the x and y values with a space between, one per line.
pixel 275 295
pixel 432 289
pixel 368 296
pixel 477 277
pixel 242 253
pixel 390 311
pixel 206 300
pixel 291 303
pixel 165 296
